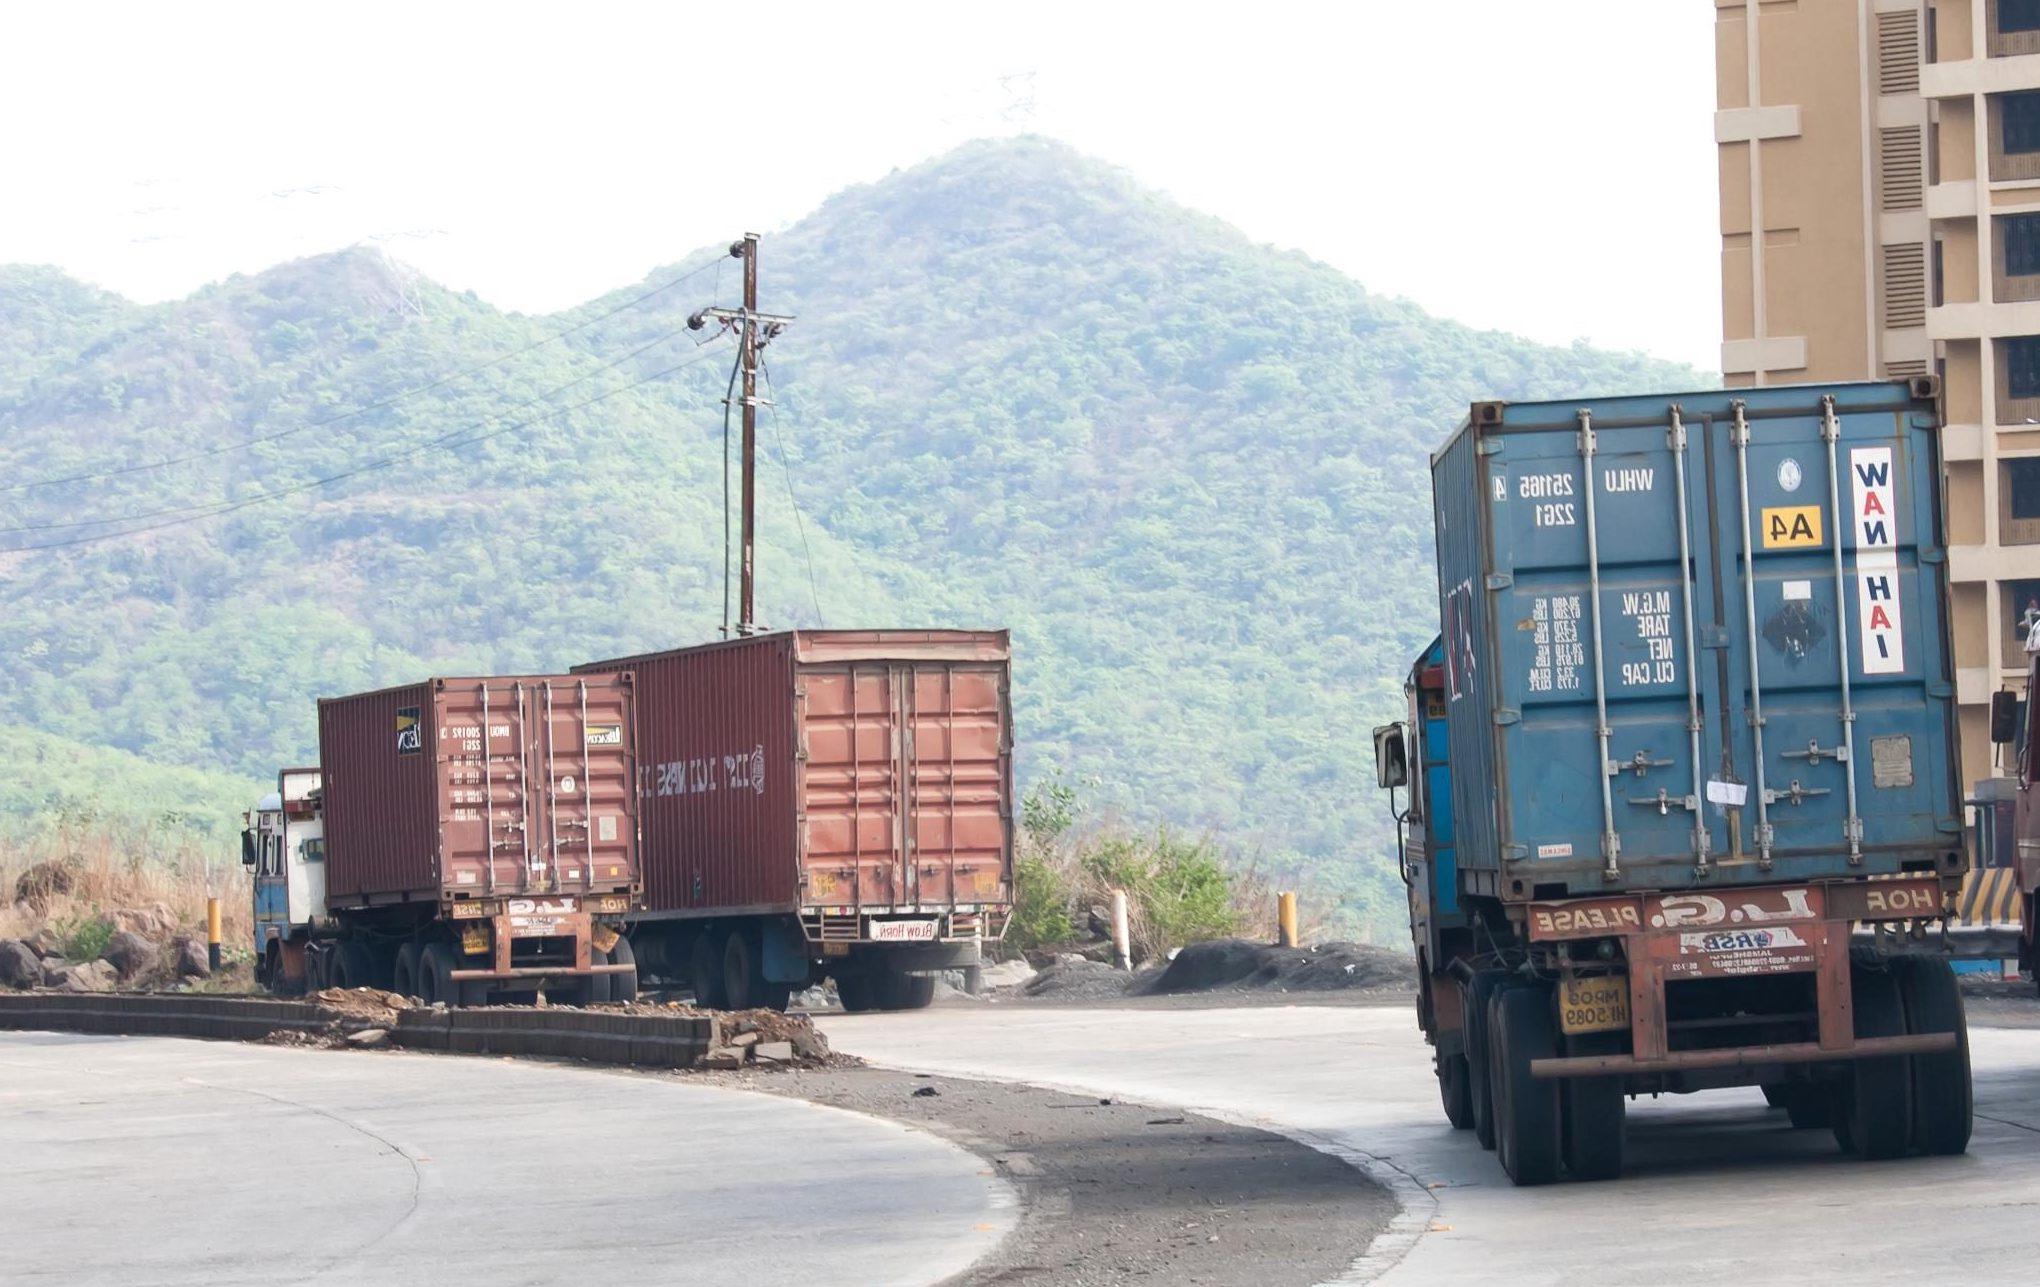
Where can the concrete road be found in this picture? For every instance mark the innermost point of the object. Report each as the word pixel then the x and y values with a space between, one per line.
pixel 1719 1189
pixel 151 1160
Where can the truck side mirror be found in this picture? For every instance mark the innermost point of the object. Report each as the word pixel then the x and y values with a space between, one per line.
pixel 2004 718
pixel 1391 760
pixel 247 848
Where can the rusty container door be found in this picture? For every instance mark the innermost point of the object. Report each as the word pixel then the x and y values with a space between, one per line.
pixel 381 810
pixel 906 769
pixel 536 775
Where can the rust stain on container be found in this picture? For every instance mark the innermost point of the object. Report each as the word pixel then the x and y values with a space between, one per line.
pixel 463 788
pixel 820 770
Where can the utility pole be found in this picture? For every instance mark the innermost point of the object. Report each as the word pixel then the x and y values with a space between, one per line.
pixel 754 330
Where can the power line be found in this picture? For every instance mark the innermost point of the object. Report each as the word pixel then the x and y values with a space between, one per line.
pixel 786 471
pixel 369 467
pixel 193 509
pixel 390 401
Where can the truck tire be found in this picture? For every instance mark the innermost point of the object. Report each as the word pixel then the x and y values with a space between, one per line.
pixel 856 991
pixel 1594 1108
pixel 1943 1099
pixel 1874 1115
pixel 707 962
pixel 623 987
pixel 743 970
pixel 357 965
pixel 1479 1082
pixel 1454 1092
pixel 318 962
pixel 1527 1130
pixel 406 979
pixel 899 990
pixel 1808 1105
pixel 435 976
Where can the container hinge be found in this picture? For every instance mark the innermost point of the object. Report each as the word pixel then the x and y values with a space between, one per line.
pixel 1500 580
pixel 1489 447
pixel 1515 853
pixel 1815 752
pixel 1639 764
pixel 1504 716
pixel 1795 793
pixel 1675 437
pixel 1714 637
pixel 1940 688
pixel 1933 556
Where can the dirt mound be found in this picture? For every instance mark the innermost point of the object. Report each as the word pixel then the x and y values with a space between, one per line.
pixel 362 1003
pixel 1074 978
pixel 1238 963
pixel 41 884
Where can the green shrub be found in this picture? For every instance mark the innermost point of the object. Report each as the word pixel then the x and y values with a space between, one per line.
pixel 1044 904
pixel 85 937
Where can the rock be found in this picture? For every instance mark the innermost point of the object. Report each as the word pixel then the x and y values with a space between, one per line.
pixel 810 1044
pixel 129 953
pixel 44 942
pixel 19 967
pixel 189 959
pixel 773 1052
pixel 41 884
pixel 92 976
pixel 926 1092
pixel 1007 974
pixel 724 1057
pixel 814 998
pixel 51 966
pixel 368 1037
pixel 744 1039
pixel 150 922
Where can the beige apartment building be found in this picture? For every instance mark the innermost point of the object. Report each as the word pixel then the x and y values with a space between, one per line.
pixel 1880 216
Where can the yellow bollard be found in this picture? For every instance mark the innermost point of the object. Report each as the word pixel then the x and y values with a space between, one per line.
pixel 1285 904
pixel 212 932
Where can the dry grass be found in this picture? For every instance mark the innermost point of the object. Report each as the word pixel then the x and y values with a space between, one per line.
pixel 111 871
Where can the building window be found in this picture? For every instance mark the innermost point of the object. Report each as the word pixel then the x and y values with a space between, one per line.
pixel 2021 237
pixel 2022 366
pixel 2018 15
pixel 2022 487
pixel 2021 608
pixel 2021 117
pixel 1940 295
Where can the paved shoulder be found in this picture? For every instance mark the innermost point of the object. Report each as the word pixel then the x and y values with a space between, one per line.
pixel 164 1161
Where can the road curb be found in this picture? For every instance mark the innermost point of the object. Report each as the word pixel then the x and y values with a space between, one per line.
pixel 636 1040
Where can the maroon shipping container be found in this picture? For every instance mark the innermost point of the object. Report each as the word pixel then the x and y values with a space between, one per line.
pixel 830 773
pixel 457 789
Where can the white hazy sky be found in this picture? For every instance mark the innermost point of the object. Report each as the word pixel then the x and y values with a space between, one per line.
pixel 1546 169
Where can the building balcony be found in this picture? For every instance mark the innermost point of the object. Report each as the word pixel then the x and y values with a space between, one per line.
pixel 1980 76
pixel 1983 320
pixel 1953 200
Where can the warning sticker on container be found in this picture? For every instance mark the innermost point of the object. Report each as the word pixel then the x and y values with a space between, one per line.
pixel 605 735
pixel 1881 642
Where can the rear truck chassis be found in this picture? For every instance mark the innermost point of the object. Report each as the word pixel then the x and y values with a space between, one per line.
pixel 1548 1015
pixel 466 951
pixel 881 960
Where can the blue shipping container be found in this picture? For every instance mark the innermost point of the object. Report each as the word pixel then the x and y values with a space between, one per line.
pixel 1630 707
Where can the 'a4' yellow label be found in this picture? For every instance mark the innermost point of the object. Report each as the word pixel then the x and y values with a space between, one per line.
pixel 1788 525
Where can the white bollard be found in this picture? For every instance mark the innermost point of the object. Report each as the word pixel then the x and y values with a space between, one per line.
pixel 1122 939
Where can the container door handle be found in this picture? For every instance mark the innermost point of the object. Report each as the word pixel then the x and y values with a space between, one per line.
pixel 1700 839
pixel 1611 841
pixel 1742 475
pixel 1852 827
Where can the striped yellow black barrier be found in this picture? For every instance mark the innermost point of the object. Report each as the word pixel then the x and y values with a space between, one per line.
pixel 1989 897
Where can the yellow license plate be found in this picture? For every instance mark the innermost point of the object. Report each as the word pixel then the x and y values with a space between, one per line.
pixel 1598 1004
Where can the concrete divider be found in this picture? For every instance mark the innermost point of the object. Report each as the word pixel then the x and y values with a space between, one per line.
pixel 604 1036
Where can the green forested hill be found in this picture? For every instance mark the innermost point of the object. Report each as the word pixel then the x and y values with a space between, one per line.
pixel 1187 471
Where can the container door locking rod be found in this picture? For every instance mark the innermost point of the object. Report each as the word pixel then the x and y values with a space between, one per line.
pixel 1831 433
pixel 1611 842
pixel 1742 472
pixel 1696 801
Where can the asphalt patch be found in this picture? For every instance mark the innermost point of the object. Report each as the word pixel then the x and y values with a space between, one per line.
pixel 1115 1193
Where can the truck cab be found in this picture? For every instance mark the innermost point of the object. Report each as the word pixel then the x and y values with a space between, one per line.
pixel 283 845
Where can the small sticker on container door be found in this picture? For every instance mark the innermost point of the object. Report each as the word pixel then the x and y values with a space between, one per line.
pixel 1880 641
pixel 605 827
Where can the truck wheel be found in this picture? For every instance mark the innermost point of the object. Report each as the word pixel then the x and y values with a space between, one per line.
pixel 435 976
pixel 899 990
pixel 357 966
pixel 1943 1102
pixel 1874 1117
pixel 406 979
pixel 1527 1130
pixel 1593 1108
pixel 707 962
pixel 742 970
pixel 1479 1084
pixel 315 970
pixel 1454 1092
pixel 623 987
pixel 857 992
